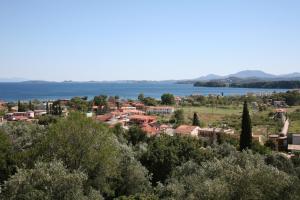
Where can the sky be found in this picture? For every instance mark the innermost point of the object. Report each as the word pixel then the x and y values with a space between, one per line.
pixel 146 39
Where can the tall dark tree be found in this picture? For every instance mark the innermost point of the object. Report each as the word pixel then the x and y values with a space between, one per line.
pixel 47 107
pixel 21 107
pixel 30 106
pixel 196 119
pixel 246 134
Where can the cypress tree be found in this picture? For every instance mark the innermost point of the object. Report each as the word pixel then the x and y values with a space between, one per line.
pixel 246 134
pixel 30 106
pixel 196 120
pixel 47 107
pixel 19 106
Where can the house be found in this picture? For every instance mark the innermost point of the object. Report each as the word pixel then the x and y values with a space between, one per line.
pixel 104 118
pixel 89 114
pixel 296 139
pixel 14 109
pixel 40 112
pixel 127 108
pixel 138 105
pixel 3 105
pixel 160 110
pixel 17 116
pixel 279 104
pixel 280 141
pixel 187 130
pixel 294 148
pixel 258 138
pixel 142 119
pixel 149 130
pixel 166 129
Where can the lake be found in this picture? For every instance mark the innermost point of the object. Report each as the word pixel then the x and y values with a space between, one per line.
pixel 51 91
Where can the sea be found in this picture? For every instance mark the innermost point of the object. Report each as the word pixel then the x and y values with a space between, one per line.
pixel 66 90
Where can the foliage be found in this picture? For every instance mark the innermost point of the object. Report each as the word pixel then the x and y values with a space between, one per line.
pixel 79 104
pixel 48 181
pixel 237 176
pixel 83 144
pixel 168 99
pixel 179 117
pixel 102 103
pixel 196 119
pixel 133 177
pixel 166 152
pixel 246 134
pixel 47 120
pixel 6 160
pixel 21 107
pixel 149 101
pixel 136 135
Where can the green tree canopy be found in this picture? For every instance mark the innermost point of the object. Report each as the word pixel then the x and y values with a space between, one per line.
pixel 168 99
pixel 82 143
pixel 48 181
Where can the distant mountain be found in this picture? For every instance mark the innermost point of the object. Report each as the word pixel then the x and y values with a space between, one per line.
pixel 252 74
pixel 209 77
pixel 292 75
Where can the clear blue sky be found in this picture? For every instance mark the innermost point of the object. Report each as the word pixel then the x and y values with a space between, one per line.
pixel 153 39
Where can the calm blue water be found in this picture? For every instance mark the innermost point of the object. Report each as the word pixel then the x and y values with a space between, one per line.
pixel 47 91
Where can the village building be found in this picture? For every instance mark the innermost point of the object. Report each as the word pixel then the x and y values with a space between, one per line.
pixel 279 104
pixel 149 130
pixel 142 119
pixel 138 105
pixel 296 139
pixel 38 113
pixel 187 130
pixel 166 129
pixel 160 110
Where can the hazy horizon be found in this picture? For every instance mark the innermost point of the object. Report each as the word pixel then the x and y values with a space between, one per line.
pixel 146 40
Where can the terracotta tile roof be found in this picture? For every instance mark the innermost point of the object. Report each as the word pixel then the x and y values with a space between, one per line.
pixel 185 129
pixel 104 118
pixel 151 131
pixel 142 117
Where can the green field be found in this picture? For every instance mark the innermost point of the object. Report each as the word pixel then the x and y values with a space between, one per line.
pixel 230 116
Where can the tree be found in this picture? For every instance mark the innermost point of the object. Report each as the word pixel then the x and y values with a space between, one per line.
pixel 179 117
pixel 47 108
pixel 246 134
pixel 168 99
pixel 133 176
pixel 6 162
pixel 78 104
pixel 149 101
pixel 136 135
pixel 196 120
pixel 30 106
pixel 21 107
pixel 141 97
pixel 101 102
pixel 48 181
pixel 164 153
pixel 241 175
pixel 82 143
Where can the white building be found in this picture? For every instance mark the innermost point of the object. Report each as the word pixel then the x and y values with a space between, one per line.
pixel 164 110
pixel 296 139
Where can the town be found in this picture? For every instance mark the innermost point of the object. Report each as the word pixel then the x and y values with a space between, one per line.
pixel 275 123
